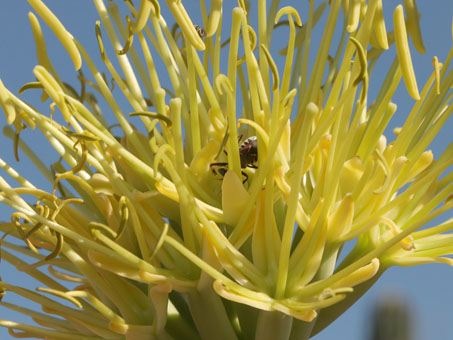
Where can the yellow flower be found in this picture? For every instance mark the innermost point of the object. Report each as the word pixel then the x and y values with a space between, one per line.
pixel 221 210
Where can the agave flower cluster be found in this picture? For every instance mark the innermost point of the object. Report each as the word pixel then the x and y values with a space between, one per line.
pixel 162 228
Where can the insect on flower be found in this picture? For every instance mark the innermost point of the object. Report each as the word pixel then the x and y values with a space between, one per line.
pixel 201 32
pixel 248 155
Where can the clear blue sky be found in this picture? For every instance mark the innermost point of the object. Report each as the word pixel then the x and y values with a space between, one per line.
pixel 427 288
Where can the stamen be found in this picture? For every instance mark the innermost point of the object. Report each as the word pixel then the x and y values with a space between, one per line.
pixel 360 275
pixel 353 15
pixel 130 37
pixel 117 323
pixel 214 17
pixel 275 76
pixel 253 40
pixel 379 27
pixel 81 139
pixel 61 294
pixel 243 6
pixel 31 85
pixel 124 213
pixel 144 12
pixel 96 226
pixel 152 115
pixel 363 75
pixel 387 172
pixel 99 39
pixel 403 52
pixel 57 249
pixel 437 67
pixel 413 25
pixel 60 31
pixel 7 104
pixel 160 241
pixel 158 158
pixel 184 21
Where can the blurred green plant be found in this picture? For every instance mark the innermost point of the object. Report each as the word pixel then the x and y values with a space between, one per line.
pixel 162 235
pixel 391 320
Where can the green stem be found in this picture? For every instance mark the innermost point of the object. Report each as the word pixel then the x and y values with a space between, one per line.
pixel 210 316
pixel 248 318
pixel 179 328
pixel 329 260
pixel 273 325
pixel 302 330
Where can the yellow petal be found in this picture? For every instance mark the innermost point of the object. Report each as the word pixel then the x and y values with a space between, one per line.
pixel 339 223
pixel 7 104
pixel 360 275
pixel 234 198
pixel 379 27
pixel 403 53
pixel 413 24
pixel 60 31
pixel 350 175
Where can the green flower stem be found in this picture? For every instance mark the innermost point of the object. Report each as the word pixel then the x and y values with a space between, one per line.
pixel 333 67
pixel 178 328
pixel 195 133
pixel 248 318
pixel 441 228
pixel 162 247
pixel 284 257
pixel 262 37
pixel 10 171
pixel 318 69
pixel 328 263
pixel 273 325
pixel 252 67
pixel 191 232
pixel 292 15
pixel 269 246
pixel 302 330
pixel 303 52
pixel 155 83
pixel 210 316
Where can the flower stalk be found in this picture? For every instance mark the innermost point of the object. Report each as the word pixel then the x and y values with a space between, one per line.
pixel 221 205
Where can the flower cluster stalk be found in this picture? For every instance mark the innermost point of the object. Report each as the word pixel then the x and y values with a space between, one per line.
pixel 207 183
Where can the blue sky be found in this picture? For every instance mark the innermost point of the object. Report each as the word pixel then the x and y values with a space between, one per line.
pixel 427 288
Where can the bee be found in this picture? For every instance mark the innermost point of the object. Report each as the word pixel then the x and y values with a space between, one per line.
pixel 248 156
pixel 200 30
